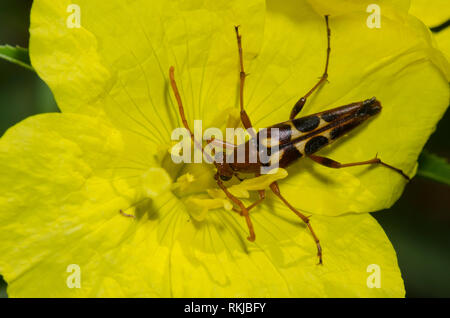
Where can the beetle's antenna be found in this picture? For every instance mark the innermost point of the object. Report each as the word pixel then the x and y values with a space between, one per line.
pixel 182 115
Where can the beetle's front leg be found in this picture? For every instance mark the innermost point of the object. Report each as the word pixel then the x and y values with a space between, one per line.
pixel 244 210
pixel 262 196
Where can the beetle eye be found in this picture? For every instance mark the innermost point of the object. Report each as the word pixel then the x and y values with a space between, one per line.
pixel 225 178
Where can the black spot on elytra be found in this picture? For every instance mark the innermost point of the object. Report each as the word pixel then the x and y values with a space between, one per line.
pixel 306 124
pixel 343 129
pixel 315 144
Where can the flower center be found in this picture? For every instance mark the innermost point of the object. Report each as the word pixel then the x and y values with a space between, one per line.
pixel 195 186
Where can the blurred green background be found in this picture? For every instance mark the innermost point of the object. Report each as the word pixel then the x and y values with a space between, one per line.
pixel 418 225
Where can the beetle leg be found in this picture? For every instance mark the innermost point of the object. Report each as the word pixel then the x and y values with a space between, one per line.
pixel 299 105
pixel 126 214
pixel 330 163
pixel 262 196
pixel 244 210
pixel 275 189
pixel 238 177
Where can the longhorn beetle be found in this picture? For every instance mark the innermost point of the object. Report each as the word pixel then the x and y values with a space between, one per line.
pixel 298 137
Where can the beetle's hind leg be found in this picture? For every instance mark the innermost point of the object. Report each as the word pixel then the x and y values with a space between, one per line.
pixel 301 102
pixel 275 189
pixel 330 163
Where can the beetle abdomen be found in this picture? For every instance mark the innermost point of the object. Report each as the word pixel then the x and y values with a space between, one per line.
pixel 307 135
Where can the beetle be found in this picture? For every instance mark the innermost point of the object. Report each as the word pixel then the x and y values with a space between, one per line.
pixel 297 138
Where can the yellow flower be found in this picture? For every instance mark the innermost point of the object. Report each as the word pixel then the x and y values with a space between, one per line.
pixel 65 177
pixel 433 14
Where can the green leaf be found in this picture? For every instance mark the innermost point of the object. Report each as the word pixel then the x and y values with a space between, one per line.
pixel 17 55
pixel 434 167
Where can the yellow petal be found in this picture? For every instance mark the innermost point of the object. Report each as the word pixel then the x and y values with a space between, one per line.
pixel 282 262
pixel 69 62
pixel 64 178
pixel 443 41
pixel 120 68
pixel 62 207
pixel 432 13
pixel 118 61
pixel 155 181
